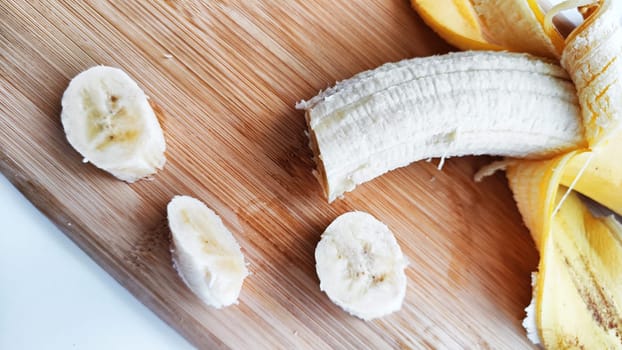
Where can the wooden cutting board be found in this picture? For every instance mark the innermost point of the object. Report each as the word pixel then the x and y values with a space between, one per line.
pixel 226 75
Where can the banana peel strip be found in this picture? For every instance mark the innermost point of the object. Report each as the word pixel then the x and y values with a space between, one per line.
pixel 492 25
pixel 519 26
pixel 455 21
pixel 535 185
pixel 602 179
pixel 577 291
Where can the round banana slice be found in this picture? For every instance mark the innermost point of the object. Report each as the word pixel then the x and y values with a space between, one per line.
pixel 360 266
pixel 108 120
pixel 205 253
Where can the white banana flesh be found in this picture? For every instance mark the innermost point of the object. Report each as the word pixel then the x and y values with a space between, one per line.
pixel 361 266
pixel 205 253
pixel 108 120
pixel 466 103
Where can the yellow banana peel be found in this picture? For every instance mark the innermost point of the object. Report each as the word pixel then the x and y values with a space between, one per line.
pixel 519 26
pixel 578 288
pixel 602 178
pixel 456 22
pixel 492 25
pixel 535 186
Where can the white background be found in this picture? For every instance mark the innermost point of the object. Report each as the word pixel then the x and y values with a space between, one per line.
pixel 53 296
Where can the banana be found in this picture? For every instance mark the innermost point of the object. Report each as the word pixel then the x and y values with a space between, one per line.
pixel 451 105
pixel 577 299
pixel 360 266
pixel 593 58
pixel 205 253
pixel 108 120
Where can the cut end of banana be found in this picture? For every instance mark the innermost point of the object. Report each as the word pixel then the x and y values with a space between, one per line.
pixel 361 266
pixel 108 119
pixel 205 253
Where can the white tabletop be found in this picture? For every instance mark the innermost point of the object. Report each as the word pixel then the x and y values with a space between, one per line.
pixel 53 296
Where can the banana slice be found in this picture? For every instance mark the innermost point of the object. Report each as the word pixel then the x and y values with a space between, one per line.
pixel 360 266
pixel 108 120
pixel 205 253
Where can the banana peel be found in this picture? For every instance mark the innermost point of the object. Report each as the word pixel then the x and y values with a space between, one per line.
pixel 534 185
pixel 456 22
pixel 518 25
pixel 601 180
pixel 492 25
pixel 577 291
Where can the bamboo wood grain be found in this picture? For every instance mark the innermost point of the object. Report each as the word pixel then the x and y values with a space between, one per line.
pixel 226 75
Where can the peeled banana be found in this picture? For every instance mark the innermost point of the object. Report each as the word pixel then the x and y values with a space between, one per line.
pixel 108 120
pixel 451 105
pixel 361 266
pixel 205 253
